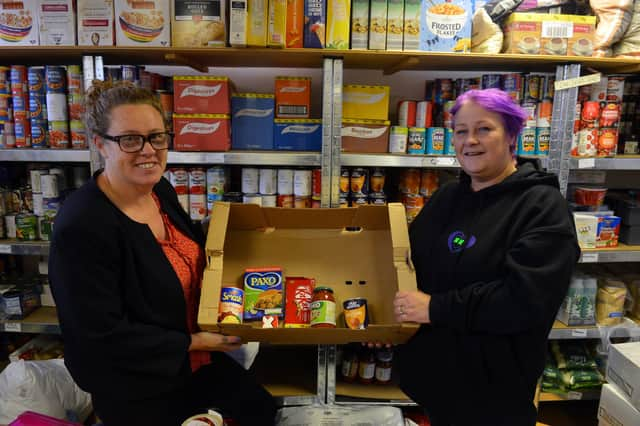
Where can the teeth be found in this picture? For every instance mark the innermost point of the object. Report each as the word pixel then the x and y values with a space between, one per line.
pixel 145 165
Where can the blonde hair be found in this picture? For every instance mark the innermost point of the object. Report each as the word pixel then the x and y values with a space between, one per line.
pixel 104 96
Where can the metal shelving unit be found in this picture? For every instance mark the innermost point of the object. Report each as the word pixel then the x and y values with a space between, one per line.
pixel 24 248
pixel 397 160
pixel 48 155
pixel 628 328
pixel 623 162
pixel 42 320
pixel 622 253
pixel 263 158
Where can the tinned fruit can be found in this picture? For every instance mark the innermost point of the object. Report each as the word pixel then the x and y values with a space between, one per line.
pixel 356 313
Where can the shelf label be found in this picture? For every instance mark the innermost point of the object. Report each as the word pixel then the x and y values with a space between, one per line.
pixel 445 161
pixel 13 327
pixel 574 395
pixel 578 81
pixel 5 248
pixel 215 158
pixel 588 176
pixel 587 163
pixel 589 257
pixel 579 332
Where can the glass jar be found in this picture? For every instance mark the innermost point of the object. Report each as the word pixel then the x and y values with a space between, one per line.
pixel 384 359
pixel 323 308
pixel 367 367
pixel 349 366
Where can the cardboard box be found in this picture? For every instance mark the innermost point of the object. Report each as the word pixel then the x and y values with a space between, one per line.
pixel 445 26
pixel 238 21
pixel 586 230
pixel 314 243
pixel 293 97
pixel 365 135
pixel 201 95
pixel 252 121
pixel 567 35
pixel 581 44
pixel 143 23
pixel 411 39
pixel 338 14
pixel 19 25
pixel 623 370
pixel 201 132
pixel 522 32
pixel 608 231
pixel 365 102
pixel 315 22
pixel 295 23
pixel 198 23
pixel 395 24
pixel 359 24
pixel 378 25
pixel 277 29
pixel 57 20
pixel 257 23
pixel 297 135
pixel 95 23
pixel 615 410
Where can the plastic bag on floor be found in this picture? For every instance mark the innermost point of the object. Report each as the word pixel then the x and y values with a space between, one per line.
pixel 332 415
pixel 44 387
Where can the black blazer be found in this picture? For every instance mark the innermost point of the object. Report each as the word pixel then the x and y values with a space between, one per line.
pixel 121 306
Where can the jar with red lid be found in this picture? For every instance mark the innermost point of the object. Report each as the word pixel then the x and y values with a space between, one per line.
pixel 323 308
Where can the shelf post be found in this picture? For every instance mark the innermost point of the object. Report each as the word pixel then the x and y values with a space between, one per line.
pixel 327 130
pixel 336 131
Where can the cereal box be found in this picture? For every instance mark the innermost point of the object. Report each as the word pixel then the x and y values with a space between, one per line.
pixel 378 25
pixel 257 23
pixel 295 23
pixel 608 231
pixel 411 39
pixel 359 24
pixel 238 20
pixel 201 132
pixel 95 23
pixel 198 23
pixel 522 33
pixel 365 102
pixel 293 97
pixel 143 23
pixel 277 28
pixel 201 95
pixel 315 21
pixel 263 293
pixel 446 26
pixel 19 23
pixel 338 13
pixel 395 24
pixel 57 20
pixel 298 293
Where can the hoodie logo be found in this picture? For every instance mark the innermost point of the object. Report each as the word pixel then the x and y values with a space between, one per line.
pixel 458 241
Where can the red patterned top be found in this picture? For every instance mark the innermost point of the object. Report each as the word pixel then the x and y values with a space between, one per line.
pixel 187 260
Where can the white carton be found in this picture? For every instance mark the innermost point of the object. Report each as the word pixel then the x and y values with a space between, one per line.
pixel 586 229
pixel 615 410
pixel 143 23
pixel 57 19
pixel 238 22
pixel 95 23
pixel 19 23
pixel 623 369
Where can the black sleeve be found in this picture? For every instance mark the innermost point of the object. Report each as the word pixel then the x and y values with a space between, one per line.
pixel 538 268
pixel 89 286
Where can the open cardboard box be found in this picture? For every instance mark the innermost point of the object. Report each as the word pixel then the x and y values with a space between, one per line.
pixel 359 252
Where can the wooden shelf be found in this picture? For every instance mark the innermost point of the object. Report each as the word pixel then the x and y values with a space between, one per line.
pixel 621 253
pixel 308 58
pixel 42 320
pixel 586 395
pixel 389 392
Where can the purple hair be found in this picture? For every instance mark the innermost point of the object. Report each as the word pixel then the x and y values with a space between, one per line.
pixel 499 102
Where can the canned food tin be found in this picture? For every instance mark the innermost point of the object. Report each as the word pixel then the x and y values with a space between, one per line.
pixel 413 204
pixel 491 81
pixel 301 202
pixel 39 133
pixel 588 142
pixel 345 174
pixel 49 185
pixel 231 307
pixel 4 107
pixel 269 201
pixel 58 134
pixel 590 117
pixel 75 106
pixel 429 182
pixel 36 80
pixel 359 181
pixel 252 199
pixel 416 140
pixel 435 141
pixel 376 182
pixel 38 203
pixel 10 226
pixel 359 200
pixel 5 83
pixel 57 108
pixel 527 141
pixel 56 79
pixel 607 142
pixel 424 114
pixel 8 134
pixel 409 181
pixel 449 148
pixel 285 200
pixel 197 206
pixel 378 199
pixel 268 181
pixel 543 135
pixel 197 181
pixel 26 227
pixel 344 201
pixel 615 88
pixel 38 107
pixel 407 113
pixel 23 132
pixel 179 179
pixel 532 87
pixel 74 79
pixel 216 183
pixel 356 313
pixel 398 136
pixel 512 84
pixel 130 73
pixel 285 182
pixel 250 179
pixel 315 203
pixel 45 227
pixel 316 183
pixel 20 103
pixel 447 117
pixel 549 87
pixel 531 109
pixel 18 76
pixel 232 197
pixel 78 134
pixel 545 108
pixel 610 115
pixel 302 183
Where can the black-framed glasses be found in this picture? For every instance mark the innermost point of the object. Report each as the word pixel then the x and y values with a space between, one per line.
pixel 135 143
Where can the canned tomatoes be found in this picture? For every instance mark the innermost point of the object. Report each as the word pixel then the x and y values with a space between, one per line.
pixel 407 113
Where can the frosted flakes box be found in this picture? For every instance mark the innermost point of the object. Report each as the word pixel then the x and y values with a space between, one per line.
pixel 263 293
pixel 95 23
pixel 57 20
pixel 445 26
pixel 143 23
pixel 19 23
pixel 198 23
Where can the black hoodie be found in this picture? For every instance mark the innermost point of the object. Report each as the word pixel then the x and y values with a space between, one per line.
pixel 497 264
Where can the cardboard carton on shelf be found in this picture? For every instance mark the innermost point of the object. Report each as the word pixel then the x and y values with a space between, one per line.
pixel 359 252
pixel 623 370
pixel 615 410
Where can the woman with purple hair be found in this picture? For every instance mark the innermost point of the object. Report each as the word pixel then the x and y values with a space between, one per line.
pixel 494 253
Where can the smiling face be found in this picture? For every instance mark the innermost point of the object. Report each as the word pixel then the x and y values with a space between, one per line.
pixel 140 170
pixel 482 145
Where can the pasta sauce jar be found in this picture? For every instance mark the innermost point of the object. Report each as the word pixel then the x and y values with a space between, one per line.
pixel 323 308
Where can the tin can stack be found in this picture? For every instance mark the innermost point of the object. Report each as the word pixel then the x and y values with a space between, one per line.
pixel 359 186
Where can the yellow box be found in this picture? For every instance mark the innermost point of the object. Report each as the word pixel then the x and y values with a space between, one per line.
pixel 276 32
pixel 522 32
pixel 365 102
pixel 257 23
pixel 338 14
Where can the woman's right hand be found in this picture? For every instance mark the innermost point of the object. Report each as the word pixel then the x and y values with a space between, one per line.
pixel 205 341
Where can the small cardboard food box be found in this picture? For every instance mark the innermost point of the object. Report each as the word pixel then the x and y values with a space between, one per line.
pixel 365 135
pixel 365 102
pixel 19 23
pixel 315 243
pixel 143 23
pixel 201 132
pixel 57 20
pixel 95 23
pixel 623 370
pixel 615 410
pixel 198 23
pixel 201 94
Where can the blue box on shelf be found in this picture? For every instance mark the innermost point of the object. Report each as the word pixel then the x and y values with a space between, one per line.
pixel 252 121
pixel 298 134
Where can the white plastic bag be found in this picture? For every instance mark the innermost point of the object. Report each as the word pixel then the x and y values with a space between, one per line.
pixel 44 387
pixel 332 415
pixel 245 354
